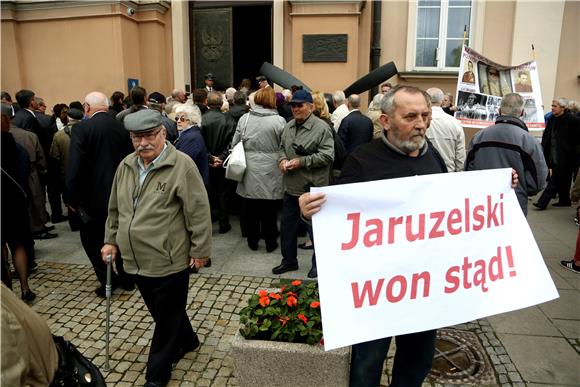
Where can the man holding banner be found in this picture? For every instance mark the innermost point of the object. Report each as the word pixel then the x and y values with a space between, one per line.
pixel 402 151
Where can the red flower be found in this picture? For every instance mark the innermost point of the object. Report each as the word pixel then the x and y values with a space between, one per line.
pixel 264 301
pixel 263 293
pixel 283 288
pixel 291 294
pixel 296 283
pixel 275 296
pixel 314 304
pixel 292 301
pixel 303 318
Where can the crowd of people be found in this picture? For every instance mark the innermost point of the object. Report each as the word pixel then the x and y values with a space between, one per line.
pixel 142 178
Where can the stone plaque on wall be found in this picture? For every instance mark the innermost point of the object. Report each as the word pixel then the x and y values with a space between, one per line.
pixel 324 48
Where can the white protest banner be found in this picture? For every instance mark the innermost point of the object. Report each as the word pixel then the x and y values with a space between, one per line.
pixel 482 83
pixel 411 254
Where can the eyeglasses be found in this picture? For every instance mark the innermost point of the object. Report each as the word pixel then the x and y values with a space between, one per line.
pixel 148 136
pixel 181 118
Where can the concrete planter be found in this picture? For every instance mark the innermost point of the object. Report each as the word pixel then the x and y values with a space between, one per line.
pixel 273 363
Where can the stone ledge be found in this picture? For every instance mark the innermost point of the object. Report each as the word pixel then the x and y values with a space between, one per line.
pixel 273 363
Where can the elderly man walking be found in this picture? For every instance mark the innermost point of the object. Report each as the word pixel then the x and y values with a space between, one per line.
pixel 159 218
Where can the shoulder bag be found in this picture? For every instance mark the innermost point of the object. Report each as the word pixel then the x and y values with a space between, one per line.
pixel 235 163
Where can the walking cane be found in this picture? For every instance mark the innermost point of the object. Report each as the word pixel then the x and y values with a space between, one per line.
pixel 108 289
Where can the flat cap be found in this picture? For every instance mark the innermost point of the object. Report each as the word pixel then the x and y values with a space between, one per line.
pixel 209 77
pixel 261 78
pixel 142 121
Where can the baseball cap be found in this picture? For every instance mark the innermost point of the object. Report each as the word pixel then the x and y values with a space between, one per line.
pixel 301 96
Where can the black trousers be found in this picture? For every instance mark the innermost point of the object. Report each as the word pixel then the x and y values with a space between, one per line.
pixel 559 183
pixel 92 239
pixel 166 299
pixel 261 220
pixel 219 194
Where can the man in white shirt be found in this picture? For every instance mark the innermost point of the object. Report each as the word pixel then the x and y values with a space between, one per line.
pixel 340 109
pixel 446 133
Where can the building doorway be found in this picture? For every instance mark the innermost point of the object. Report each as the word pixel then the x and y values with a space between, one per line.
pixel 231 40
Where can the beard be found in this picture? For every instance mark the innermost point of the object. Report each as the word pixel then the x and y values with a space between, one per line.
pixel 415 142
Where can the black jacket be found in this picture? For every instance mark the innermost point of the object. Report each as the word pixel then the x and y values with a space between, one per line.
pixel 561 140
pixel 355 129
pixel 377 161
pixel 97 147
pixel 237 111
pixel 217 130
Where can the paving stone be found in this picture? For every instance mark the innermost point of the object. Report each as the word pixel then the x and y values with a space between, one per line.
pixel 514 376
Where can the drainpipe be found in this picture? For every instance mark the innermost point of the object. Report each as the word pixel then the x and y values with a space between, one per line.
pixel 376 43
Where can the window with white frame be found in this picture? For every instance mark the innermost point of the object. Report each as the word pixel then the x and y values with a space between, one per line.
pixel 442 27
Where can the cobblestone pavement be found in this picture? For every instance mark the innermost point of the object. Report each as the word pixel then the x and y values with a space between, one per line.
pixel 72 310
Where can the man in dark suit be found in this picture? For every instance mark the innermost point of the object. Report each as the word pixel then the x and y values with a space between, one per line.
pixel 97 146
pixel 26 119
pixel 355 129
pixel 217 130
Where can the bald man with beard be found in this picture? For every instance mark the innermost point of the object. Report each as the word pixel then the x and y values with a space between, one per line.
pixel 97 146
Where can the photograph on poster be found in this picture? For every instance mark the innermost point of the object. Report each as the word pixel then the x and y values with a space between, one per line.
pixel 471 105
pixel 496 82
pixel 468 75
pixel 523 82
pixel 492 106
pixel 530 110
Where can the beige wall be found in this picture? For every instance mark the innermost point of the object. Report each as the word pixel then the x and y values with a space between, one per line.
pixel 329 18
pixel 64 53
pixel 568 66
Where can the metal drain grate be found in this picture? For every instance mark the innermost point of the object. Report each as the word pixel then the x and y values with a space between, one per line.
pixel 460 359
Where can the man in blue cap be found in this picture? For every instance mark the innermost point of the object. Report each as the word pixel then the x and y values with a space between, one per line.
pixel 305 159
pixel 159 218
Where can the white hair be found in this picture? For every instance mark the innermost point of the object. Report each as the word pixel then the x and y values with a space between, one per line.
pixel 191 111
pixel 96 99
pixel 339 97
pixel 376 102
pixel 230 91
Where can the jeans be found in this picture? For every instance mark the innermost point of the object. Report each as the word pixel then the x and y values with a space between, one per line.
pixel 413 360
pixel 289 231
